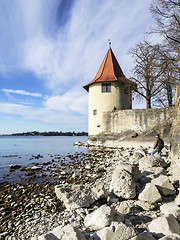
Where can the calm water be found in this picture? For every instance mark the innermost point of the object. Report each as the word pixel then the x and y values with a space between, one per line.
pixel 19 150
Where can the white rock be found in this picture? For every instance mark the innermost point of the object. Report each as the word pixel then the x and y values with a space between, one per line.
pixel 150 194
pixel 151 161
pixel 124 207
pixel 164 226
pixel 100 218
pixel 171 237
pixel 116 232
pixel 164 185
pixel 171 208
pixel 35 168
pixel 123 183
pixel 78 196
pixel 177 199
pixel 64 233
pixel 68 233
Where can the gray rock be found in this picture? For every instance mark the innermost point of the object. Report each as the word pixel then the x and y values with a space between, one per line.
pixel 123 182
pixel 150 194
pixel 164 185
pixel 100 218
pixel 164 226
pixel 124 207
pixel 115 232
pixel 171 208
pixel 64 233
pixel 146 236
pixel 171 237
pixel 151 161
pixel 78 196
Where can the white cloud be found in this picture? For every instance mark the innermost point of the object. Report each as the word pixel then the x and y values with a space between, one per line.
pixel 73 100
pixel 74 54
pixel 44 115
pixel 67 57
pixel 21 92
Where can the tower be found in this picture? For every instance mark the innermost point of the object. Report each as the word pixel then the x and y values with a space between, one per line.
pixel 110 90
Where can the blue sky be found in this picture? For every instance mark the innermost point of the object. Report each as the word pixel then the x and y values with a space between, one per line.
pixel 50 48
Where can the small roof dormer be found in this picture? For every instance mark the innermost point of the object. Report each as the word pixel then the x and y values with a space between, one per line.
pixel 109 71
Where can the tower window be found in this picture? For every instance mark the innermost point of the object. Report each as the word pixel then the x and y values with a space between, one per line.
pixel 95 112
pixel 106 87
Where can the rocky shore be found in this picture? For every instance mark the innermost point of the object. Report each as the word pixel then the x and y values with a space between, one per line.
pixel 107 194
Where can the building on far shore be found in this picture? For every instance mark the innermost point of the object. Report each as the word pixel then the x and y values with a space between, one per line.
pixel 110 90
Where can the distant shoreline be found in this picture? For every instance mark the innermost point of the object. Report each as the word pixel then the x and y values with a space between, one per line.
pixel 35 133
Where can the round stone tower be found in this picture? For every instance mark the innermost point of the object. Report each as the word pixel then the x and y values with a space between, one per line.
pixel 110 90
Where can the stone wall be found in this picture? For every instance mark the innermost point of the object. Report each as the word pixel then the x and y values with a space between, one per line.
pixel 138 120
pixel 175 137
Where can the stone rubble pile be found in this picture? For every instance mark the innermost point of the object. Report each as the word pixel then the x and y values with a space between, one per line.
pixel 135 199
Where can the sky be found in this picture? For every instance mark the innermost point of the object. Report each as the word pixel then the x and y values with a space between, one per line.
pixel 49 49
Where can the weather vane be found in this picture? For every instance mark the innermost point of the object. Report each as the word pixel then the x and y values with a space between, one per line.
pixel 109 43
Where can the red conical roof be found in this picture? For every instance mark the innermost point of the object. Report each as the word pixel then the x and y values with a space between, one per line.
pixel 109 71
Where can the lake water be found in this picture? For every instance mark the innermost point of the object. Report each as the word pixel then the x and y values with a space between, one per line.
pixel 20 149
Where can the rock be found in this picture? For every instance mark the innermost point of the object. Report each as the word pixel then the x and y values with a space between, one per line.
pixel 171 208
pixel 171 237
pixel 123 183
pixel 138 154
pixel 146 236
pixel 151 161
pixel 154 172
pixel 36 168
pixel 68 233
pixel 3 235
pixel 116 231
pixel 124 207
pixel 13 167
pixel 78 196
pixel 177 199
pixel 64 233
pixel 164 226
pixel 147 206
pixel 150 194
pixel 100 218
pixel 130 168
pixel 164 185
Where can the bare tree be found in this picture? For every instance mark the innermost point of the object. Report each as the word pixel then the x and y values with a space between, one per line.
pixel 170 73
pixel 147 70
pixel 167 16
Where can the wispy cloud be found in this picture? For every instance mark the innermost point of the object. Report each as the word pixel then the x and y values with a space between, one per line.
pixel 22 92
pixel 44 115
pixel 64 51
pixel 72 53
pixel 73 100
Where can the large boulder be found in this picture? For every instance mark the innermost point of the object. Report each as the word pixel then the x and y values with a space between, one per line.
pixel 78 196
pixel 102 217
pixel 134 170
pixel 123 182
pixel 115 232
pixel 171 208
pixel 62 233
pixel 164 185
pixel 164 226
pixel 151 161
pixel 150 194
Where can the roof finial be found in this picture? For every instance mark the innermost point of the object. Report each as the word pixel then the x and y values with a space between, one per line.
pixel 109 43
